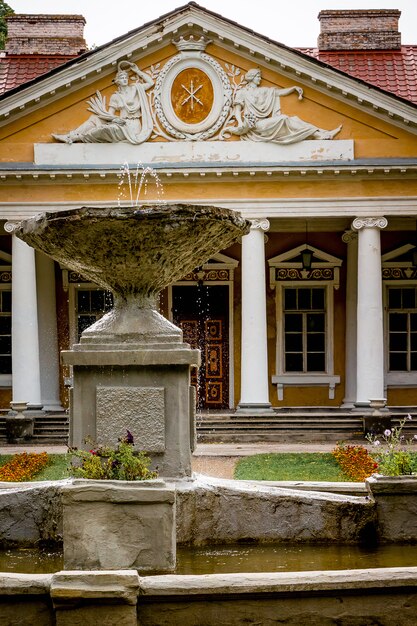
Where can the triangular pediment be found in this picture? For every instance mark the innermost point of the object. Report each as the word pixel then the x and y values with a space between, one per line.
pixel 399 257
pixel 5 259
pixel 292 258
pixel 221 260
pixel 152 44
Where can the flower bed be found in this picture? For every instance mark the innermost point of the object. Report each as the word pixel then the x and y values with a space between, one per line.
pixel 355 461
pixel 24 466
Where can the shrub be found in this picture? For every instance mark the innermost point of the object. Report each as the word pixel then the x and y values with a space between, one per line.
pixel 355 461
pixel 23 466
pixel 106 463
pixel 393 458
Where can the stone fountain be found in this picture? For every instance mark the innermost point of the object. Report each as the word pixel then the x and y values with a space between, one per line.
pixel 131 369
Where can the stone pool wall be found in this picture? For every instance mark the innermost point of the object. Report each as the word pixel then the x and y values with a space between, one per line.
pixel 341 598
pixel 209 510
pixel 213 510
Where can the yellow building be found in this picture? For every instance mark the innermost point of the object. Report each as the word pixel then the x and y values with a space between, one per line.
pixel 317 307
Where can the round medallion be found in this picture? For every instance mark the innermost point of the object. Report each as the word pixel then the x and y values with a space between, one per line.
pixel 192 95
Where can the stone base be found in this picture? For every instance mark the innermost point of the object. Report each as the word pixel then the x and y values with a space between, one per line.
pixel 376 424
pixel 92 598
pixel 142 388
pixel 119 525
pixel 254 409
pixel 18 428
pixel 396 503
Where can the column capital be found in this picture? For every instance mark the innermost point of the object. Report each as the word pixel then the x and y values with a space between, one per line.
pixel 261 224
pixel 10 227
pixel 349 236
pixel 369 222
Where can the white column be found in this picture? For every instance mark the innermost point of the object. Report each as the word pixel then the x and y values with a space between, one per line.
pixel 370 331
pixel 25 341
pixel 48 334
pixel 351 239
pixel 254 394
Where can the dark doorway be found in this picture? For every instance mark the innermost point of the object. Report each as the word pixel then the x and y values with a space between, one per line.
pixel 202 312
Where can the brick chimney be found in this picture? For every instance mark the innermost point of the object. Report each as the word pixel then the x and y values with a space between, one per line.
pixel 363 29
pixel 45 34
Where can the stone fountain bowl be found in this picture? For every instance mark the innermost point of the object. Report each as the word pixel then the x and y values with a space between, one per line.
pixel 133 251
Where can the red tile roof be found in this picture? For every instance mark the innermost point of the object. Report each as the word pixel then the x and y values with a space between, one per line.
pixel 18 69
pixel 391 70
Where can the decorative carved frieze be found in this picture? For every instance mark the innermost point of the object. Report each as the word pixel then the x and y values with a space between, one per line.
pixel 399 273
pixel 293 274
pixel 208 275
pixel 5 276
pixel 74 277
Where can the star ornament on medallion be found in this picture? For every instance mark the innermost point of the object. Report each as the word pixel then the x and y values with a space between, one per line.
pixel 193 95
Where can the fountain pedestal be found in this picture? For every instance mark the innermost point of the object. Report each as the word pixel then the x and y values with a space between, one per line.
pixel 131 370
pixel 144 388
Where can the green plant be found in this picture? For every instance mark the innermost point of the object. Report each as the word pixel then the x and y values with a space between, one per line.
pixel 355 461
pixel 106 463
pixel 393 458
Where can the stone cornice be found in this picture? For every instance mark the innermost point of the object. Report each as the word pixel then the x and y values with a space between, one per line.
pixel 282 209
pixel 15 173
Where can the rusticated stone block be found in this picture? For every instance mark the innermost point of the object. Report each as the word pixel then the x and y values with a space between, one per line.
pixel 119 525
pixel 90 598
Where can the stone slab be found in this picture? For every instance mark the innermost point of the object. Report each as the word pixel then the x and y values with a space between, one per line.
pixel 195 152
pixel 278 582
pixel 396 503
pixel 24 584
pixel 122 585
pixel 108 527
pixel 140 410
pixel 140 358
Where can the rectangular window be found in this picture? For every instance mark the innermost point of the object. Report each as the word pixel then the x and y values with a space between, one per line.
pixel 402 329
pixel 304 319
pixel 92 304
pixel 5 332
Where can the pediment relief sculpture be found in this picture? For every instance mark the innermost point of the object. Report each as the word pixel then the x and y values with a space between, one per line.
pixel 128 117
pixel 195 99
pixel 257 111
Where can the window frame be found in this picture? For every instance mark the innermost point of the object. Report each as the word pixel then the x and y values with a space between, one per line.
pixel 396 378
pixel 304 331
pixel 329 339
pixel 6 379
pixel 74 288
pixel 329 268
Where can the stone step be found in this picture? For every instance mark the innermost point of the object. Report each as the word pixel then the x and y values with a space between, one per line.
pixel 293 437
pixel 283 428
pixel 273 422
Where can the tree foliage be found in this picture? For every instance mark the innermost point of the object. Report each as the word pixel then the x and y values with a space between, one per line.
pixel 5 10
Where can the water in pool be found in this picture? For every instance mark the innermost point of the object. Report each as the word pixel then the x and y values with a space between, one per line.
pixel 241 558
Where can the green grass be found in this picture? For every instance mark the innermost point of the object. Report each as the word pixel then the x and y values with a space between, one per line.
pixel 55 470
pixel 287 466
